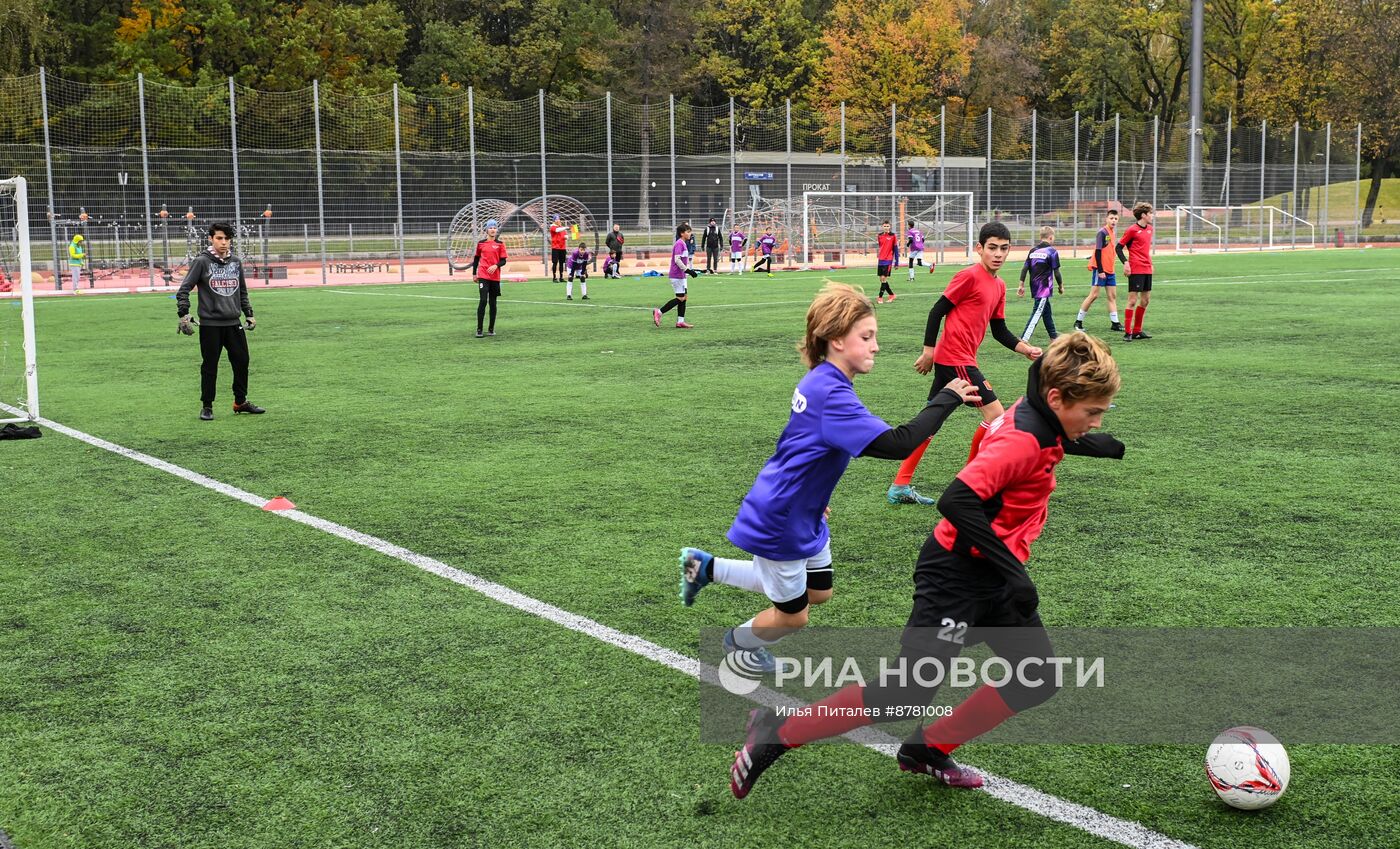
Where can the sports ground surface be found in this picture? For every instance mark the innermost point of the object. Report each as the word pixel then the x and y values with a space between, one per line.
pixel 180 668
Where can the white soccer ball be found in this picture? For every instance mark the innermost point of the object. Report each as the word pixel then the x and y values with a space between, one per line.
pixel 1248 768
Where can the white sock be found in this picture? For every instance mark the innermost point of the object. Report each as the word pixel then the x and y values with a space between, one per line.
pixel 1081 316
pixel 583 284
pixel 738 573
pixel 745 638
pixel 569 288
pixel 1113 316
pixel 911 274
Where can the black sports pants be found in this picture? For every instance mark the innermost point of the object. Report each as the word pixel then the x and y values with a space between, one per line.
pixel 213 341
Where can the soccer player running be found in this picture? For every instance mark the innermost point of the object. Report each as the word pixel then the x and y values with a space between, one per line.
pixel 578 267
pixel 737 240
pixel 886 258
pixel 971 574
pixel 710 242
pixel 223 295
pixel 487 262
pixel 680 271
pixel 974 301
pixel 766 243
pixel 781 520
pixel 914 240
pixel 1138 263
pixel 1101 275
pixel 1042 264
pixel 558 248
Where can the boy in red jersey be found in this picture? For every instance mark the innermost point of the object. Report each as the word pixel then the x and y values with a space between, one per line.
pixel 487 263
pixel 974 301
pixel 558 249
pixel 886 258
pixel 971 574
pixel 1138 264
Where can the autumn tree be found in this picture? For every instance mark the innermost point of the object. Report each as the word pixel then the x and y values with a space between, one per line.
pixel 758 51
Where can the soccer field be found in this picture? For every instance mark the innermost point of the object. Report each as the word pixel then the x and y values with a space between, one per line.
pixel 179 668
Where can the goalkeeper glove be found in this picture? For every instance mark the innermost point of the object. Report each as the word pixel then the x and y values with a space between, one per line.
pixel 252 323
pixel 187 323
pixel 690 272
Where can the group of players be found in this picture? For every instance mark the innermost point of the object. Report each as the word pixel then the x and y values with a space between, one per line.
pixel 971 572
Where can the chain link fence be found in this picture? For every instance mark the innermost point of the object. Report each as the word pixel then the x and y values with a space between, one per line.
pixel 319 181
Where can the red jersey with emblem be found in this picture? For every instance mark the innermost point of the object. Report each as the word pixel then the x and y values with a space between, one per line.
pixel 1138 240
pixel 1014 474
pixel 558 237
pixel 887 241
pixel 490 253
pixel 978 296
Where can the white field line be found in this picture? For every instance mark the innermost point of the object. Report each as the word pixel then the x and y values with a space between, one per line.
pixel 1123 832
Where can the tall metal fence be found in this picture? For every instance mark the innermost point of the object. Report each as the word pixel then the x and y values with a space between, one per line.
pixel 318 177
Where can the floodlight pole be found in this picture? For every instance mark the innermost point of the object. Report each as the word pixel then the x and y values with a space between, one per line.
pixel 1074 201
pixel 1198 13
pixel 233 145
pixel 1229 152
pixel 607 136
pixel 842 227
pixel 398 184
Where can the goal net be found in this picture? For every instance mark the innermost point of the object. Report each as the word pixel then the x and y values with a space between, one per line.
pixel 1241 228
pixel 19 376
pixel 841 226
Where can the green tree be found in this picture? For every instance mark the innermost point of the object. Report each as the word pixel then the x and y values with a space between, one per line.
pixel 760 52
pixel 1238 35
pixel 913 53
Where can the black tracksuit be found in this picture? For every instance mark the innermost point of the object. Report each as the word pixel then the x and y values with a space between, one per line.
pixel 222 300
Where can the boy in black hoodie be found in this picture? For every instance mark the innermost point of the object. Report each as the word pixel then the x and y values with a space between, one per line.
pixel 710 242
pixel 223 296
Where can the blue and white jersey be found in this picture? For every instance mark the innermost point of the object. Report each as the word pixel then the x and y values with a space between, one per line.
pixel 781 518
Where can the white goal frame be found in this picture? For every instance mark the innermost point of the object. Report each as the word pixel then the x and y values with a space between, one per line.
pixel 1266 228
pixel 894 198
pixel 30 411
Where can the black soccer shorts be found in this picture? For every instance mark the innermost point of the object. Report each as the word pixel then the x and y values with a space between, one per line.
pixel 1139 282
pixel 942 375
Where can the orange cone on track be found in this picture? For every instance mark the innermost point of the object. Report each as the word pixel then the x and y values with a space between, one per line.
pixel 279 503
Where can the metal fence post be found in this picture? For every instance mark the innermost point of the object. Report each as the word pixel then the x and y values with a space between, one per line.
pixel 1074 197
pixel 1117 136
pixel 894 180
pixel 1326 179
pixel 787 105
pixel 607 141
pixel 672 100
pixel 398 183
pixel 48 170
pixel 843 182
pixel 1229 151
pixel 544 191
pixel 1358 179
pixel 942 167
pixel 733 157
pixel 1263 146
pixel 233 144
pixel 146 182
pixel 1033 153
pixel 471 140
pixel 320 187
pixel 989 163
pixel 1293 235
pixel 1194 185
pixel 1156 145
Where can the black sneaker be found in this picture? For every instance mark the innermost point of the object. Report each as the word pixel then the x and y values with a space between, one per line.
pixel 926 760
pixel 479 334
pixel 206 413
pixel 248 407
pixel 761 748
pixel 585 297
pixel 1127 337
pixel 1141 335
pixel 1115 327
pixel 1079 325
pixel 490 333
pixel 568 297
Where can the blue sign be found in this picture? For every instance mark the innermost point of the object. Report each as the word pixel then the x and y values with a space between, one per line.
pixel 758 175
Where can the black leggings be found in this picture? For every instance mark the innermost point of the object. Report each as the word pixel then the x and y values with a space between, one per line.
pixel 213 341
pixel 712 258
pixel 766 261
pixel 558 258
pixel 490 291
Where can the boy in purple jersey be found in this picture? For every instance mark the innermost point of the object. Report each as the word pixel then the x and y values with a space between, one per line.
pixel 914 241
pixel 782 520
pixel 1042 264
pixel 765 248
pixel 680 271
pixel 578 267
pixel 737 240
pixel 610 271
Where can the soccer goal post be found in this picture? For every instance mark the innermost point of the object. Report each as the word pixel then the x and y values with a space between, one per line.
pixel 1242 227
pixel 19 371
pixel 835 222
